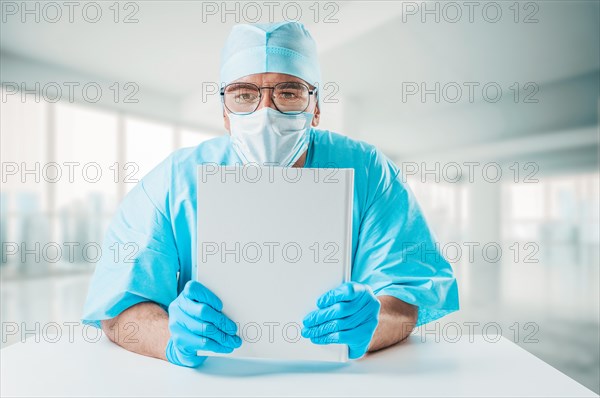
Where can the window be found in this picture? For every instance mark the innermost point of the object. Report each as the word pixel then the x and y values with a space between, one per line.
pixel 23 147
pixel 85 148
pixel 88 138
pixel 24 200
pixel 147 144
pixel 445 206
pixel 559 213
pixel 64 169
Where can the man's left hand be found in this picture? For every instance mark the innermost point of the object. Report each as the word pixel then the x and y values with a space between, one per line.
pixel 348 314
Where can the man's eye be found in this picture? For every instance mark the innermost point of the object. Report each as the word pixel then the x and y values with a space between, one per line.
pixel 245 97
pixel 288 95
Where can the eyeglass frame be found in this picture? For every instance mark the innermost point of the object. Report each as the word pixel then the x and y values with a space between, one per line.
pixel 260 89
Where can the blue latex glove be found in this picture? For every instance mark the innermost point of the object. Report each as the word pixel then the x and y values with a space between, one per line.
pixel 347 315
pixel 197 323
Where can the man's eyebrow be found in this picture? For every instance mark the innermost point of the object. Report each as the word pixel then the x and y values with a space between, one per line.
pixel 283 81
pixel 310 86
pixel 236 85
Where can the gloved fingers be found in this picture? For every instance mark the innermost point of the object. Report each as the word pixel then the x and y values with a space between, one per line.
pixel 195 343
pixel 345 292
pixel 196 291
pixel 195 328
pixel 181 358
pixel 335 311
pixel 210 331
pixel 214 346
pixel 368 311
pixel 206 313
pixel 357 340
pixel 341 337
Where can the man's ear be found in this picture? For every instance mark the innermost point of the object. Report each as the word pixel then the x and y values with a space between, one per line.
pixel 226 121
pixel 316 117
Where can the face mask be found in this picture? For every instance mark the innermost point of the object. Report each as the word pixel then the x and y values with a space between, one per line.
pixel 269 137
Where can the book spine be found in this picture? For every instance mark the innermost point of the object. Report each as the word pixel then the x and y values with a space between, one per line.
pixel 349 206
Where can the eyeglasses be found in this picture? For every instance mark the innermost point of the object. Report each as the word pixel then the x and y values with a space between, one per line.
pixel 291 98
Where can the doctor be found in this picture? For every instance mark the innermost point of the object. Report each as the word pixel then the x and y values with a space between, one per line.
pixel 148 303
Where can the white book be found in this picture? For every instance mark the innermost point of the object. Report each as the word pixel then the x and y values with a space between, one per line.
pixel 270 241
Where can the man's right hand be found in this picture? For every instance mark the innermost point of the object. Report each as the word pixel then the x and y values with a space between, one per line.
pixel 197 323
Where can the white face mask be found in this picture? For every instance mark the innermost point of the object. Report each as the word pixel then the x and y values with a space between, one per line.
pixel 270 138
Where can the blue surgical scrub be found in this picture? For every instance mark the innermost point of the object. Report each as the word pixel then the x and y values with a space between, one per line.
pixel 149 251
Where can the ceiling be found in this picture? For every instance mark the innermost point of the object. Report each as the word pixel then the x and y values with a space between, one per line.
pixel 171 50
pixel 372 49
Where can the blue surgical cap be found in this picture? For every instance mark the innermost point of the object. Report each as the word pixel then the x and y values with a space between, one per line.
pixel 282 47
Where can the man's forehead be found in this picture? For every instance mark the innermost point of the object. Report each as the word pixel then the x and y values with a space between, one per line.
pixel 270 77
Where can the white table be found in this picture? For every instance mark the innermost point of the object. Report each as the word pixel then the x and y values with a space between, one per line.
pixel 417 367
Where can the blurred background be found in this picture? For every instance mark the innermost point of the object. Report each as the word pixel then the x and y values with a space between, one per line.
pixel 489 109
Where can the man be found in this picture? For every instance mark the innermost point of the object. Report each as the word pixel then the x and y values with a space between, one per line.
pixel 270 107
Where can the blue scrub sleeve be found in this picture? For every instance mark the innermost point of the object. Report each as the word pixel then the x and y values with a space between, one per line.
pixel 396 253
pixel 139 259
